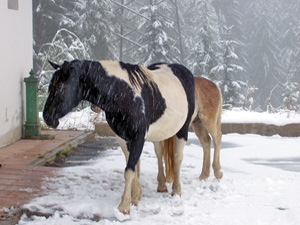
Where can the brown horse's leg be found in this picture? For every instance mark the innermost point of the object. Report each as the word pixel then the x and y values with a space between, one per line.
pixel 217 138
pixel 204 139
pixel 213 127
pixel 162 187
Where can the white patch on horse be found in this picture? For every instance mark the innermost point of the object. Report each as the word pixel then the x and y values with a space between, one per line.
pixel 113 68
pixel 175 115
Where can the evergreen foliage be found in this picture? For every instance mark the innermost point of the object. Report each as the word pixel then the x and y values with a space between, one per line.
pixel 231 88
pixel 257 66
pixel 157 45
pixel 64 46
pixel 206 50
pixel 93 22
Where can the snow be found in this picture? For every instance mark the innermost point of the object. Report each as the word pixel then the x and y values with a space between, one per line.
pixel 260 184
pixel 240 116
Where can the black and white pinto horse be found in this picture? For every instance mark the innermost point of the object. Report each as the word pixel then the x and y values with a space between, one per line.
pixel 141 104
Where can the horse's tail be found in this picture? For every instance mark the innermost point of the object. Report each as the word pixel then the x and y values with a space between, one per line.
pixel 169 146
pixel 220 108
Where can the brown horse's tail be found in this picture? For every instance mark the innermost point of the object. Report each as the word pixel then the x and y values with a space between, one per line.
pixel 169 146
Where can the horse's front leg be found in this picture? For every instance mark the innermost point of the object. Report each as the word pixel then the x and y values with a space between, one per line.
pixel 178 157
pixel 162 187
pixel 132 191
pixel 136 189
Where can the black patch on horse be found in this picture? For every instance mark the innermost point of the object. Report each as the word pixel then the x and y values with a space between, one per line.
pixel 123 108
pixel 187 81
pixel 136 75
pixel 155 66
pixel 154 102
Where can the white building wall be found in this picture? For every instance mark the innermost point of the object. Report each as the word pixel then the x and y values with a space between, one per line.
pixel 15 64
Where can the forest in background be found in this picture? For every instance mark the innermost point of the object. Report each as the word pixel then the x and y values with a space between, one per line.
pixel 251 49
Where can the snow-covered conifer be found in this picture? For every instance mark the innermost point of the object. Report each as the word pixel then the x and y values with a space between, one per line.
pixel 232 88
pixel 205 46
pixel 156 44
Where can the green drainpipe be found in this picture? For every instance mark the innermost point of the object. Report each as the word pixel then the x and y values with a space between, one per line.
pixel 32 127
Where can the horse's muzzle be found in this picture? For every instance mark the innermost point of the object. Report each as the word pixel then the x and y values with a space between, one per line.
pixel 51 122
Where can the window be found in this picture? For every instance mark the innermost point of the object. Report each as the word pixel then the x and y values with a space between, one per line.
pixel 13 4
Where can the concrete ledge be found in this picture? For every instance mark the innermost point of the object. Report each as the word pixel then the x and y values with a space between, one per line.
pixel 289 130
pixel 68 146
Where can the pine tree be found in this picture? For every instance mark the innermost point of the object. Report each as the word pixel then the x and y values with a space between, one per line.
pixel 231 88
pixel 205 48
pixel 46 18
pixel 230 13
pixel 93 22
pixel 290 87
pixel 293 35
pixel 263 49
pixel 157 45
pixel 291 93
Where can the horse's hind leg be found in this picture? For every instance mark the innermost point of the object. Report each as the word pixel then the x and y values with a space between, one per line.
pixel 162 187
pixel 178 157
pixel 205 140
pixel 217 138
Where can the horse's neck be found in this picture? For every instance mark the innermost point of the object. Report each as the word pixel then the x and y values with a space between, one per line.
pixel 104 91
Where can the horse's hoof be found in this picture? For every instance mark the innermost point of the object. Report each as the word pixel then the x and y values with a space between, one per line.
pixel 124 208
pixel 162 190
pixel 121 215
pixel 203 177
pixel 219 175
pixel 176 193
pixel 135 203
pixel 125 211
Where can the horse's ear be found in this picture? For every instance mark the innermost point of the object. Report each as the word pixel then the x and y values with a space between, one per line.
pixel 65 67
pixel 55 66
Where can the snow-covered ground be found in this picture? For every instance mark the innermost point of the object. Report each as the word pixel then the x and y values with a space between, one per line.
pixel 260 186
pixel 238 115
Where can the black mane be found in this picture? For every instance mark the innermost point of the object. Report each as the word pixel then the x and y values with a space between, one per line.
pixel 137 76
pixel 154 66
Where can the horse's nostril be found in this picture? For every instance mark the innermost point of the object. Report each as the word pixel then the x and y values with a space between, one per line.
pixel 48 120
pixel 46 117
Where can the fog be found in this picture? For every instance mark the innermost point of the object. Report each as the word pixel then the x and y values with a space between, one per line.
pixel 249 48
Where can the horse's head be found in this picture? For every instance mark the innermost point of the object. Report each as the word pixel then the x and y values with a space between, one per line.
pixel 64 91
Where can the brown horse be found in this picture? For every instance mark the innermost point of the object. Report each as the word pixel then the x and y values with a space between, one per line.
pixel 206 123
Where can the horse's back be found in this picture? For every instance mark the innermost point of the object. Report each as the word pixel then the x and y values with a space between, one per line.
pixel 208 99
pixel 168 95
pixel 176 85
pixel 113 68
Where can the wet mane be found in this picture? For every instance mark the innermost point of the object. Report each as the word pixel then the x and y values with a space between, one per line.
pixel 138 75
